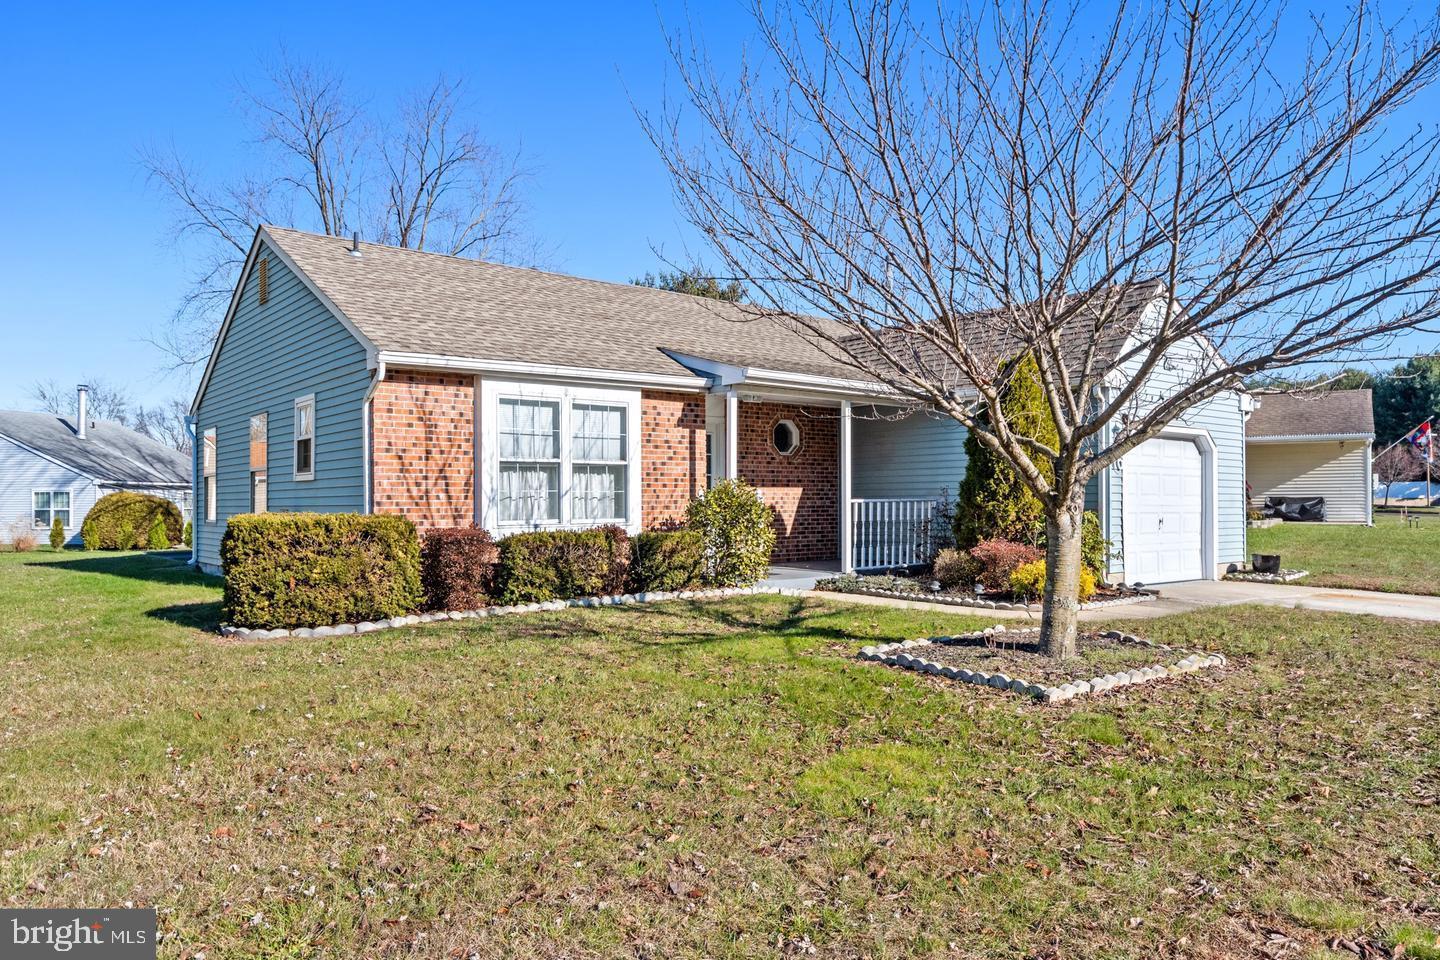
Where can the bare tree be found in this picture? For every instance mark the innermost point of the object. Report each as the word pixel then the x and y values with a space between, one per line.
pixel 953 192
pixel 445 188
pixel 106 401
pixel 327 161
pixel 165 423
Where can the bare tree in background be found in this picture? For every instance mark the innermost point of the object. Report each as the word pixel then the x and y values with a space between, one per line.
pixel 165 423
pixel 445 188
pixel 106 400
pixel 328 162
pixel 957 190
pixel 1396 464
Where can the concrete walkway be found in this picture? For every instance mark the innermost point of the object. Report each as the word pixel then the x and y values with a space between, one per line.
pixel 1198 594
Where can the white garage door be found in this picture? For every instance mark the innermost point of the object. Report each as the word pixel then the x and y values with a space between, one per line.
pixel 1164 512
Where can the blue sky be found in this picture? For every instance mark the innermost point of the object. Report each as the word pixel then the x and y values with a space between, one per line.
pixel 86 266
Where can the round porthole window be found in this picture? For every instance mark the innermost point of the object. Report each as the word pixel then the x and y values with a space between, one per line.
pixel 786 437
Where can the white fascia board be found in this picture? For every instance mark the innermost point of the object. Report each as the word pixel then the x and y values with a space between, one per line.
pixel 540 371
pixel 1311 438
pixel 263 236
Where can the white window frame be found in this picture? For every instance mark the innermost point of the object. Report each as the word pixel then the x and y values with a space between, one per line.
pixel 799 437
pixel 69 510
pixel 300 402
pixel 491 391
pixel 209 471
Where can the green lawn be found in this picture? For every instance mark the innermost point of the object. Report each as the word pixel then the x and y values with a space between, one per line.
pixel 1389 556
pixel 691 780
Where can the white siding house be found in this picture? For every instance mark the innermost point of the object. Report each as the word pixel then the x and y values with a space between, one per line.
pixel 50 468
pixel 1306 447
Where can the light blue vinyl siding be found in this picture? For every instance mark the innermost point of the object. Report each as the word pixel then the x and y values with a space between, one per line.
pixel 21 474
pixel 918 456
pixel 273 354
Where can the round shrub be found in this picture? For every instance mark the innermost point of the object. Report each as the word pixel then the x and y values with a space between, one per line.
pixel 739 533
pixel 667 560
pixel 1028 580
pixel 560 564
pixel 995 560
pixel 122 521
pixel 954 570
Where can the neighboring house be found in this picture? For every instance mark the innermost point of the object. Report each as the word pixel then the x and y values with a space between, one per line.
pixel 352 377
pixel 1313 445
pixel 53 467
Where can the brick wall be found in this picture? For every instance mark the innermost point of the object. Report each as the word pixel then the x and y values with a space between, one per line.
pixel 422 435
pixel 804 488
pixel 672 454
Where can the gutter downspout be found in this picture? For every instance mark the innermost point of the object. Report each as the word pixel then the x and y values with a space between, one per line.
pixel 366 455
pixel 193 431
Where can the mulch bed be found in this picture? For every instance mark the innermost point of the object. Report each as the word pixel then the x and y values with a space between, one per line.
pixel 1020 656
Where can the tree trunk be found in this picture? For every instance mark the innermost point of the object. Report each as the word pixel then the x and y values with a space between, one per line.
pixel 1060 614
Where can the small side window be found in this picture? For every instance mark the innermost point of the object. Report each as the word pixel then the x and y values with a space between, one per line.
pixel 207 469
pixel 305 438
pixel 259 462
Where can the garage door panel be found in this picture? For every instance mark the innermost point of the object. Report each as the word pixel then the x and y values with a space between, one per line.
pixel 1164 507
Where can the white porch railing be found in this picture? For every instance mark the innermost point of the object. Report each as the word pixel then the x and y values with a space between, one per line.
pixel 892 532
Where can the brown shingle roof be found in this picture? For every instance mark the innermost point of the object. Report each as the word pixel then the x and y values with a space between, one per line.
pixel 408 301
pixel 1326 414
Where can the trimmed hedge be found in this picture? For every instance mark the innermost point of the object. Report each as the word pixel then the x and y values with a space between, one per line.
pixel 318 569
pixel 667 560
pixel 122 521
pixel 458 568
pixel 559 564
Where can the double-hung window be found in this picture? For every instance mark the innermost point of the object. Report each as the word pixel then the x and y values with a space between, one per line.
pixel 598 458
pixel 259 462
pixel 305 438
pixel 559 456
pixel 207 469
pixel 529 452
pixel 51 505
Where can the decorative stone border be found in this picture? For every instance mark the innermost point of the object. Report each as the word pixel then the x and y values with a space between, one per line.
pixel 1284 576
pixel 1264 524
pixel 956 600
pixel 892 654
pixel 617 600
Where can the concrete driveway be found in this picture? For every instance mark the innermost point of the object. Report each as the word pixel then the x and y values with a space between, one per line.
pixel 1198 594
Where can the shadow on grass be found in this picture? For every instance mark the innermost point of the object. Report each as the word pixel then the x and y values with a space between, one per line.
pixel 160 566
pixel 196 616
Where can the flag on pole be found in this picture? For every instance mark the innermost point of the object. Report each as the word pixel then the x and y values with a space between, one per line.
pixel 1419 438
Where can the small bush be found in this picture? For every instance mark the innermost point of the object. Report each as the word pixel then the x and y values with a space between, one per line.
pixel 739 533
pixel 317 569
pixel 995 560
pixel 954 570
pixel 1094 548
pixel 1028 580
pixel 559 564
pixel 120 518
pixel 189 535
pixel 90 535
pixel 667 560
pixel 458 568
pixel 156 538
pixel 57 534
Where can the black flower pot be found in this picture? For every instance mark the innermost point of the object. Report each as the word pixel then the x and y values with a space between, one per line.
pixel 1265 562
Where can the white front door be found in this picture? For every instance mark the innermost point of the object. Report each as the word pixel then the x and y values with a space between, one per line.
pixel 1164 489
